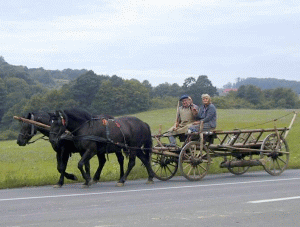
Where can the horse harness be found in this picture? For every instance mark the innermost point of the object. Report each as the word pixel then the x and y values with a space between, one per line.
pixel 32 132
pixel 105 122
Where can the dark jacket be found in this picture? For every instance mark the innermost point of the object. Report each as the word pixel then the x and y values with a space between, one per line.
pixel 208 116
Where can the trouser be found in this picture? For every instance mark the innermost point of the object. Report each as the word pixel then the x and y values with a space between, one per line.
pixel 172 140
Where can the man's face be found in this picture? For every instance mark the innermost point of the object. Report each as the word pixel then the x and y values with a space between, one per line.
pixel 205 101
pixel 185 102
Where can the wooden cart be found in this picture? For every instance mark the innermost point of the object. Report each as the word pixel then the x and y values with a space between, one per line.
pixel 240 150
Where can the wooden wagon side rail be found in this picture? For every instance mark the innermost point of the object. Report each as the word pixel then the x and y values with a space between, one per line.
pixel 247 138
pixel 164 151
pixel 250 131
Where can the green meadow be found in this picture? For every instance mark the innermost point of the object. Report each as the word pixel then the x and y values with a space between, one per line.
pixel 35 164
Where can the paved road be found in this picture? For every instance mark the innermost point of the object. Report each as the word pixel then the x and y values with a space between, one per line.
pixel 253 199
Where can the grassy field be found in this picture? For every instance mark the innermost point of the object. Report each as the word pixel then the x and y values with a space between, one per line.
pixel 35 164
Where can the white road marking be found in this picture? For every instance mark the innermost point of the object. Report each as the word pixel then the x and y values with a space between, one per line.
pixel 146 189
pixel 274 200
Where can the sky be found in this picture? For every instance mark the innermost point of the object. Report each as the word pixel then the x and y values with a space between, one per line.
pixel 155 40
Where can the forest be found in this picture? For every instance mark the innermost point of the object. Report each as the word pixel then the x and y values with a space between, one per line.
pixel 24 90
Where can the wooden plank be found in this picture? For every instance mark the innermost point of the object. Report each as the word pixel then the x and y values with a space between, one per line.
pixel 232 148
pixel 249 131
pixel 164 152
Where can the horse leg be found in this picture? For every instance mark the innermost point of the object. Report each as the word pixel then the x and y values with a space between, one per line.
pixel 62 160
pixel 102 160
pixel 131 164
pixel 146 161
pixel 121 162
pixel 87 168
pixel 83 161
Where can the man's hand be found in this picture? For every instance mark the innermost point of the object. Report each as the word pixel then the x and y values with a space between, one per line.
pixel 196 122
pixel 194 111
pixel 176 126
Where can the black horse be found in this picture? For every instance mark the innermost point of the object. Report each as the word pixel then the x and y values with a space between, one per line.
pixel 29 130
pixel 62 145
pixel 62 153
pixel 97 137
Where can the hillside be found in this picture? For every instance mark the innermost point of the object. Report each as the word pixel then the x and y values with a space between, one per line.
pixel 33 76
pixel 268 83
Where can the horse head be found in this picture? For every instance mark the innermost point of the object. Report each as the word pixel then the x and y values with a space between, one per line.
pixel 58 121
pixel 27 131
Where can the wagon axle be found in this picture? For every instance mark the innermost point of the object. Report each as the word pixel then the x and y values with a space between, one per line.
pixel 274 155
pixel 196 161
pixel 241 163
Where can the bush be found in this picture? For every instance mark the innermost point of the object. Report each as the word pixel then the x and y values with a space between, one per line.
pixel 165 102
pixel 8 135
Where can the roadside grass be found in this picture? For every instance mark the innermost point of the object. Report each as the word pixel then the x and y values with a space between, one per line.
pixel 35 164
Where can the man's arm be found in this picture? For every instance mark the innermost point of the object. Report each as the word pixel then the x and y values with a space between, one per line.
pixel 195 110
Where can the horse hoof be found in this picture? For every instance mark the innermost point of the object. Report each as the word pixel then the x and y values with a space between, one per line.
pixel 57 186
pixel 87 185
pixel 120 184
pixel 150 182
pixel 94 182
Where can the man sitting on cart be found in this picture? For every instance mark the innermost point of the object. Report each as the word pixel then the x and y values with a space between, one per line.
pixel 186 115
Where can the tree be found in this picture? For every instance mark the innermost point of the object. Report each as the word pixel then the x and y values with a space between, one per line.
pixel 228 85
pixel 282 97
pixel 188 82
pixel 166 89
pixel 254 95
pixel 2 59
pixel 3 94
pixel 85 88
pixel 116 81
pixel 17 90
pixel 130 97
pixel 241 92
pixel 195 88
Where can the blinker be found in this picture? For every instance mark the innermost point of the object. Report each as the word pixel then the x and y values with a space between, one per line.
pixel 104 121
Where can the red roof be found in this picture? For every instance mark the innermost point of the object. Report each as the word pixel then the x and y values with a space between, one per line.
pixel 229 89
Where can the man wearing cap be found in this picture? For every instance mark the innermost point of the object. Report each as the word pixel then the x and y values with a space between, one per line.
pixel 186 115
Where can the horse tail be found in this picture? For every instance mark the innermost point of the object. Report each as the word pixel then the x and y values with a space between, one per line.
pixel 148 141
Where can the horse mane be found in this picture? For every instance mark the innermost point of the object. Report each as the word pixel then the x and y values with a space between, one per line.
pixel 42 117
pixel 105 116
pixel 78 115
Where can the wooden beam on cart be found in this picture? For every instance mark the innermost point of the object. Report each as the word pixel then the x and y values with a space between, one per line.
pixel 33 122
pixel 291 124
pixel 164 151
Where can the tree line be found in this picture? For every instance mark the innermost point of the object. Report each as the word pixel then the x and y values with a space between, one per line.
pixel 265 83
pixel 253 97
pixel 21 92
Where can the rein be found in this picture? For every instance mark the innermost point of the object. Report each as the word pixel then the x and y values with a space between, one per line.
pixel 71 137
pixel 42 137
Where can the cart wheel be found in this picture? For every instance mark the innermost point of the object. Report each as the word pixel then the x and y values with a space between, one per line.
pixel 163 167
pixel 274 154
pixel 193 162
pixel 239 170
